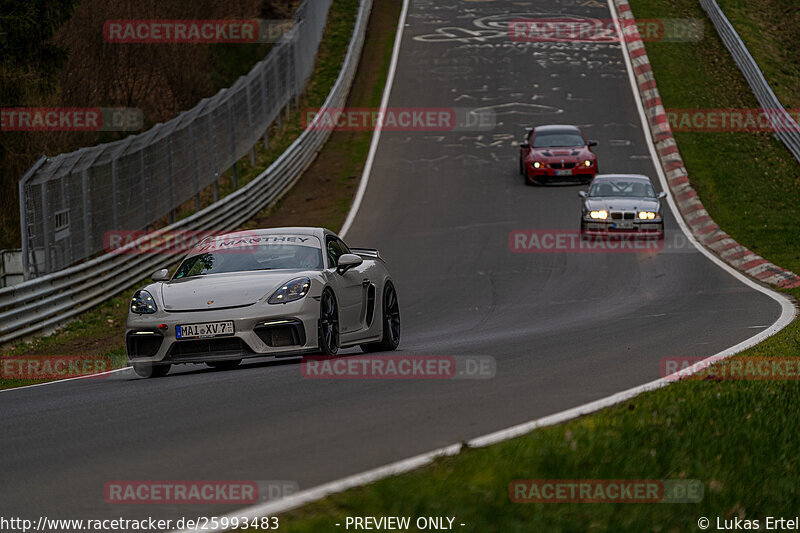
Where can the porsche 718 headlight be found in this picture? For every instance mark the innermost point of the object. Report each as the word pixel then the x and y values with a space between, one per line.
pixel 602 214
pixel 143 303
pixel 537 164
pixel 647 215
pixel 291 291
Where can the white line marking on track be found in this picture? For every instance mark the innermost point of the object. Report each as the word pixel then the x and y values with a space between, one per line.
pixel 376 137
pixel 66 379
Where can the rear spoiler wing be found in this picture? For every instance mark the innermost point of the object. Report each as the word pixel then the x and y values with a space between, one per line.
pixel 368 253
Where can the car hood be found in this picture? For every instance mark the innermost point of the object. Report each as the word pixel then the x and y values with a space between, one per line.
pixel 578 152
pixel 216 291
pixel 622 204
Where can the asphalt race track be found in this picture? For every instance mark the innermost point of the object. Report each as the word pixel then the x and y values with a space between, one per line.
pixel 564 328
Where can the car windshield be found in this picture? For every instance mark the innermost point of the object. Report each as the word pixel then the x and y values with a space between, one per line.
pixel 636 189
pixel 220 256
pixel 555 140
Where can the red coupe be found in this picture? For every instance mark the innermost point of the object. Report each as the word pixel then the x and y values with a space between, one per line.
pixel 556 154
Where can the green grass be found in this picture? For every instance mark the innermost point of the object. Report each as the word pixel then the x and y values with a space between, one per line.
pixel 771 30
pixel 748 182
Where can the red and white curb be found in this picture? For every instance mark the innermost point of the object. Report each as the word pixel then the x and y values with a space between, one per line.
pixel 705 230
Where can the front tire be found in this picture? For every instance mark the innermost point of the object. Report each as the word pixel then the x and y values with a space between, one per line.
pixel 328 324
pixel 147 370
pixel 391 323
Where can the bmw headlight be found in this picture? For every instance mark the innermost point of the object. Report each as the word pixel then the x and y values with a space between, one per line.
pixel 587 163
pixel 602 214
pixel 143 303
pixel 647 215
pixel 291 291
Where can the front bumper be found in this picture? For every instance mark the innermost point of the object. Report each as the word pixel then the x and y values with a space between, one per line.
pixel 547 174
pixel 649 228
pixel 259 330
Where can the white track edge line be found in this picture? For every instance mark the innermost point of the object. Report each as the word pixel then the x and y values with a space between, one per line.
pixel 788 312
pixel 376 136
pixel 87 376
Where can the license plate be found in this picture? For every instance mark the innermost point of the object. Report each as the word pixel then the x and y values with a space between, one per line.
pixel 204 330
pixel 567 172
pixel 623 225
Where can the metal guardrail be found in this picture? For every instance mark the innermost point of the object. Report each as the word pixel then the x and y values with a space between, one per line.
pixel 68 202
pixel 785 127
pixel 43 303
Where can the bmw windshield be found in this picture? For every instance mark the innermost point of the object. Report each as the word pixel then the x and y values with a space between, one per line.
pixel 622 188
pixel 557 140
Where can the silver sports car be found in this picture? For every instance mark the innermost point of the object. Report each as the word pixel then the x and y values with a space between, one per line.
pixel 271 292
pixel 622 203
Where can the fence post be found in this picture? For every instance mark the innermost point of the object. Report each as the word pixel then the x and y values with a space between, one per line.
pixel 171 192
pixel 278 85
pixel 232 131
pixel 87 244
pixel 265 101
pixel 45 228
pixel 114 208
pixel 195 171
pixel 23 214
pixel 145 199
pixel 250 126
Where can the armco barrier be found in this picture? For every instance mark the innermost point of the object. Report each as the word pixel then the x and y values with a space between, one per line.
pixel 788 131
pixel 44 303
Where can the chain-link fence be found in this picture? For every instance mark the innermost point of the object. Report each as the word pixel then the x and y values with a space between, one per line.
pixel 69 202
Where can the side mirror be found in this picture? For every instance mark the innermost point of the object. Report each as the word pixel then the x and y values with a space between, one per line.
pixel 348 261
pixel 160 275
pixel 591 143
pixel 525 145
pixel 662 195
pixel 582 194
